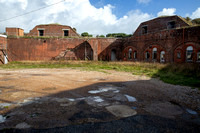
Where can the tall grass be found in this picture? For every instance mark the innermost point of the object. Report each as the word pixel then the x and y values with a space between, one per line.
pixel 181 74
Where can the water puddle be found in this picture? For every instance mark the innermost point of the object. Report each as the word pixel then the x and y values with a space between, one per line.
pixel 5 105
pixel 28 101
pixel 130 98
pixel 104 89
pixel 2 119
pixel 191 111
pixel 96 101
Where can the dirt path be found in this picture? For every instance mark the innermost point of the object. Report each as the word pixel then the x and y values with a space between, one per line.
pixel 49 98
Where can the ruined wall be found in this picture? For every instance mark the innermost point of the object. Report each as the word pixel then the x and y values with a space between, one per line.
pixel 3 43
pixel 55 48
pixel 53 30
pixel 14 32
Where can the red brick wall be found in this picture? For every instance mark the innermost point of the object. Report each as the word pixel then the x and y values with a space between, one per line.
pixel 53 30
pixel 170 41
pixel 46 49
pixel 159 24
pixel 14 32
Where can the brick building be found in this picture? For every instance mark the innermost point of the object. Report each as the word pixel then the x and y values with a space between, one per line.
pixel 3 49
pixel 14 32
pixel 55 30
pixel 163 39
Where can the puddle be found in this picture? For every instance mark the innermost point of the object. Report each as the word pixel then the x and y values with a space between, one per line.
pixel 5 105
pixel 191 111
pixel 2 119
pixel 28 101
pixel 96 101
pixel 104 89
pixel 134 107
pixel 130 98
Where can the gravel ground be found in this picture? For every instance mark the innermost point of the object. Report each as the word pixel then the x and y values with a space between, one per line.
pixel 72 100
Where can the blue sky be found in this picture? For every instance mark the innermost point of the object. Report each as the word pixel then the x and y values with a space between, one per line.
pixel 183 7
pixel 93 16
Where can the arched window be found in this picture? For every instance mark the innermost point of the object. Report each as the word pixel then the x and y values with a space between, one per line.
pixel 135 55
pixel 154 53
pixel 147 55
pixel 130 54
pixel 189 53
pixel 162 56
pixel 198 55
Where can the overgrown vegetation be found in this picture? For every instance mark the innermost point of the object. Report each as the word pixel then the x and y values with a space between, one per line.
pixel 118 35
pixel 179 74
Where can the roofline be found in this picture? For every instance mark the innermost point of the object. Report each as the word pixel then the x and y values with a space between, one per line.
pixel 52 24
pixel 160 17
pixel 15 28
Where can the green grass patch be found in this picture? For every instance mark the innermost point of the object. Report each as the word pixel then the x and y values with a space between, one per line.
pixel 179 74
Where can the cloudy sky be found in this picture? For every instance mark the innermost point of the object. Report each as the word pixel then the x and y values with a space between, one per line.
pixel 93 16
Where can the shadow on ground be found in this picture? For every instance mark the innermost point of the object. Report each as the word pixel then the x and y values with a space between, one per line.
pixel 85 109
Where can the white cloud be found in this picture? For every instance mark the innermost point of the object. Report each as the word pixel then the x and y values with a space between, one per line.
pixel 144 1
pixel 167 11
pixel 23 3
pixel 76 13
pixel 196 14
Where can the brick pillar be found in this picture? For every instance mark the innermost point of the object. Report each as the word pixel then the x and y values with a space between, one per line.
pixel 95 50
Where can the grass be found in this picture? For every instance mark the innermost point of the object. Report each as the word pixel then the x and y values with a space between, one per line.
pixel 179 74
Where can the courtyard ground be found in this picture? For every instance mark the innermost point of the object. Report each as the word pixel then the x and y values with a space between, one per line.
pixel 74 100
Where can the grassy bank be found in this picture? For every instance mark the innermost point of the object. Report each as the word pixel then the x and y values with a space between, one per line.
pixel 181 74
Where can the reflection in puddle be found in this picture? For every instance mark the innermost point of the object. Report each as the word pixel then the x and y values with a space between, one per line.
pixel 104 89
pixel 130 98
pixel 2 119
pixel 191 111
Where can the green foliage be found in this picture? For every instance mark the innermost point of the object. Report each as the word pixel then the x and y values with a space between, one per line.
pixel 74 29
pixel 118 35
pixel 196 21
pixel 84 34
pixel 102 36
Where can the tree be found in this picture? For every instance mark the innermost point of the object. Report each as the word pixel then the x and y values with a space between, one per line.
pixel 196 21
pixel 84 34
pixel 188 19
pixel 74 29
pixel 102 36
pixel 118 35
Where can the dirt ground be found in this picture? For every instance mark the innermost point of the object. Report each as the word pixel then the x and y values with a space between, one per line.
pixel 43 99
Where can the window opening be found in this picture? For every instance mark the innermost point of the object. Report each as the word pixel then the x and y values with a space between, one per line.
pixel 41 32
pixel 189 53
pixel 155 53
pixel 130 54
